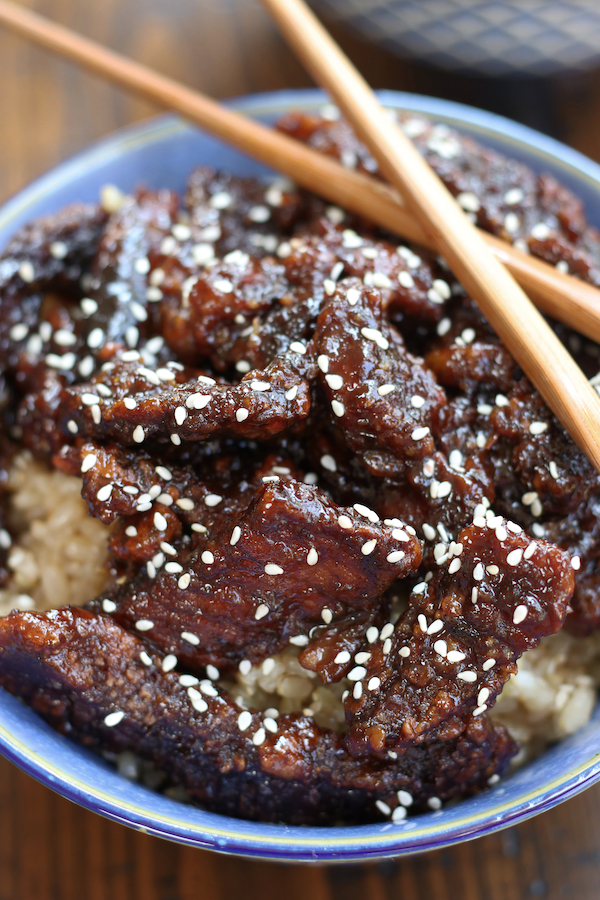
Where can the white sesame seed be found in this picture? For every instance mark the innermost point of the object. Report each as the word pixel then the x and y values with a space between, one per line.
pixel 144 625
pixel 514 557
pixel 520 614
pixel 138 434
pixel 241 414
pixel 454 566
pixel 478 572
pixel 368 547
pixel 356 673
pixel 299 640
pixel 419 433
pixel 72 426
pixel 352 296
pixel 436 626
pixel 244 720
pixel 406 280
pixel 190 638
pixel 482 696
pixel 292 393
pixel 575 563
pixel 169 662
pixel 109 606
pixel 345 522
pixel 104 493
pixel 262 610
pixel 385 389
pixel 404 652
pixel 114 718
pixel 327 616
pixel 184 581
pixel 207 558
pixel 312 557
pixel 540 231
pixel 512 222
pixel 357 691
pixel 273 569
pixel 387 631
pixel 212 672
pixel 212 499
pixel 245 667
pixel 338 408
pixel 372 634
pixel 328 462
pixel 335 382
pixel 467 675
pixel 455 656
pixel 160 522
pixel 441 647
pixel 488 664
pixel 513 196
pixel 537 428
pixel 89 461
pixel 395 556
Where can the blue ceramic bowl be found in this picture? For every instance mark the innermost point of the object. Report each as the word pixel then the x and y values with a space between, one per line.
pixel 161 152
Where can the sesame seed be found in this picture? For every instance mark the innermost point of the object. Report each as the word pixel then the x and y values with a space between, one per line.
pixel 299 640
pixel 352 296
pixel 537 428
pixel 144 625
pixel 190 638
pixel 387 631
pixel 212 499
pixel 513 196
pixel 328 462
pixel 345 522
pixel 292 393
pixel 207 558
pixel 27 272
pixel 474 594
pixel 419 433
pixel 514 557
pixel 429 532
pixel 406 280
pixel 312 557
pixel 454 566
pixel 273 569
pixel 395 556
pixel 212 672
pixel 138 434
pixel 575 563
pixel 114 718
pixel 512 222
pixel 368 547
pixel 104 493
pixel 298 347
pixel 482 696
pixel 467 675
pixel 520 614
pixel 357 691
pixel 436 626
pixel 478 572
pixel 441 647
pixel 422 623
pixel 89 461
pixel 160 522
pixel 540 231
pixel 455 656
pixel 335 382
pixel 404 652
pixel 271 725
pixel 327 616
pixel 184 581
pixel 262 610
pixel 444 326
pixel 385 389
pixel 356 673
pixel 169 662
pixel 372 634
pixel 244 720
pixel 109 606
pixel 338 408
pixel 488 664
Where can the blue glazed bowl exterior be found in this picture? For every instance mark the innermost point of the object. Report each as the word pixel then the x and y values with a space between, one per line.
pixel 160 153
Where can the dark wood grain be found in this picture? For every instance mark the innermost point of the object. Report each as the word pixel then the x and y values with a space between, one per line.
pixel 53 850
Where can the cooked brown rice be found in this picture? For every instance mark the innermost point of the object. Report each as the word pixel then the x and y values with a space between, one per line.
pixel 58 558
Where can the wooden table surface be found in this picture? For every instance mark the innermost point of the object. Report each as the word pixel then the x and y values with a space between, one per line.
pixel 53 850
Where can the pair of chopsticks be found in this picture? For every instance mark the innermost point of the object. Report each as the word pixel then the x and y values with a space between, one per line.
pixel 423 211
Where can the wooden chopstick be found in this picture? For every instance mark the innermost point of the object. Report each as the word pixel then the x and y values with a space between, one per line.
pixel 565 298
pixel 560 382
pixel 514 318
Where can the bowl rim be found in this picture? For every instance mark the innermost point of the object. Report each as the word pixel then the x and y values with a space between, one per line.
pixel 316 844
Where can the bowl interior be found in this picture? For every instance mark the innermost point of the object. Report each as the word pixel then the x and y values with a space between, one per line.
pixel 161 153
